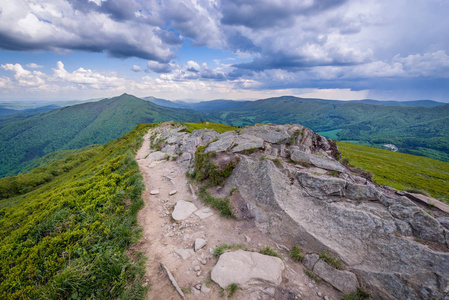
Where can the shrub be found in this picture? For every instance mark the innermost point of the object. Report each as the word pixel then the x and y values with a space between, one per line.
pixel 269 251
pixel 296 253
pixel 359 294
pixel 223 247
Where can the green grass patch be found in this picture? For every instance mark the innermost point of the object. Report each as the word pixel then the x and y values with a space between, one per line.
pixel 333 261
pixel 269 251
pixel 223 247
pixel 68 238
pixel 205 169
pixel 313 276
pixel 399 170
pixel 223 205
pixel 359 294
pixel 220 128
pixel 296 254
pixel 232 289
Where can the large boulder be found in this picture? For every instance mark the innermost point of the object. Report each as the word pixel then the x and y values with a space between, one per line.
pixel 247 268
pixel 368 236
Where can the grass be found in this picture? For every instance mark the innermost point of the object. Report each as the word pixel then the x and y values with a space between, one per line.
pixel 296 254
pixel 223 247
pixel 269 251
pixel 359 294
pixel 220 128
pixel 400 171
pixel 232 289
pixel 223 205
pixel 69 238
pixel 313 276
pixel 334 262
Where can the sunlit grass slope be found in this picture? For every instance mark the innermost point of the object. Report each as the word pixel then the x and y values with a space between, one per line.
pixel 399 170
pixel 65 228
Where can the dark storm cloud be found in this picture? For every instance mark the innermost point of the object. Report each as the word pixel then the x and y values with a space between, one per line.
pixel 265 14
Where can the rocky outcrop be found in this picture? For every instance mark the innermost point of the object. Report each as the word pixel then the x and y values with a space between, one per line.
pixel 293 188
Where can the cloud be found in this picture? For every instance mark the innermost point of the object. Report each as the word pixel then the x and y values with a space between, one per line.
pixel 25 77
pixel 86 77
pixel 136 68
pixel 110 26
pixel 158 67
pixel 34 66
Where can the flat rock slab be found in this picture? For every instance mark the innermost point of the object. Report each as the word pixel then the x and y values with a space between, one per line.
pixel 158 155
pixel 184 253
pixel 183 210
pixel 154 192
pixel 204 213
pixel 343 281
pixel 199 243
pixel 246 268
pixel 317 160
pixel 172 192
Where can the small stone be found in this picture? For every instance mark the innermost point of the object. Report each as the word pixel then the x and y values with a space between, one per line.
pixel 183 210
pixel 205 289
pixel 184 253
pixel 326 298
pixel 247 238
pixel 197 268
pixel 204 213
pixel 199 243
pixel 203 262
pixel 198 273
pixel 172 192
pixel 154 192
pixel 198 286
pixel 311 285
pixel 319 294
pixel 195 291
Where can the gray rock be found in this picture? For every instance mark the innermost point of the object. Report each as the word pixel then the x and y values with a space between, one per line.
pixel 362 192
pixel 199 243
pixel 172 192
pixel 246 142
pixel 173 280
pixel 204 213
pixel 197 268
pixel 322 162
pixel 224 142
pixel 154 192
pixel 247 268
pixel 269 133
pixel 183 209
pixel 158 155
pixel 310 260
pixel 320 186
pixel 184 253
pixel 444 221
pixel 343 281
pixel 366 235
pixel 205 289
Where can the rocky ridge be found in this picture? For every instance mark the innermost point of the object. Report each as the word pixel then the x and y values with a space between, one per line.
pixel 287 182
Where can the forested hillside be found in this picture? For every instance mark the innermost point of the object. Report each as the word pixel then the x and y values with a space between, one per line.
pixel 65 228
pixel 30 137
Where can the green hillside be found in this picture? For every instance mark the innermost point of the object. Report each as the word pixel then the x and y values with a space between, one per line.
pixel 66 228
pixel 399 170
pixel 78 126
pixel 416 130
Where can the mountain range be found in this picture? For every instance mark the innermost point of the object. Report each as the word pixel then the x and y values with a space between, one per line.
pixel 416 127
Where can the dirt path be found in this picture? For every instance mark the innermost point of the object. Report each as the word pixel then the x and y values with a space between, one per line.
pixel 162 237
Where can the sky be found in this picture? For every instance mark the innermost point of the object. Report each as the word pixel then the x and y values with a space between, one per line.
pixel 224 49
